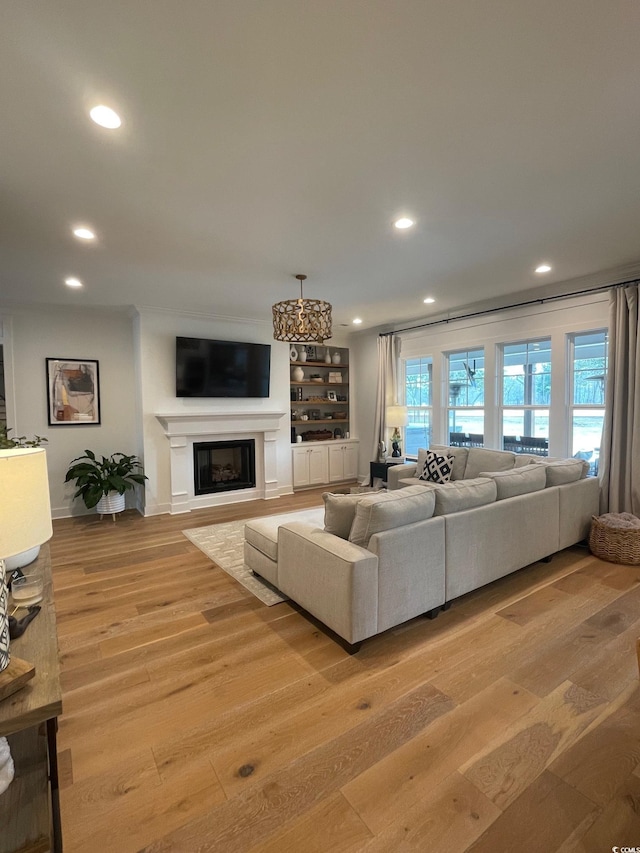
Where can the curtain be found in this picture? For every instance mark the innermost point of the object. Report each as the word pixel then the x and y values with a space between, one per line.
pixel 620 451
pixel 386 389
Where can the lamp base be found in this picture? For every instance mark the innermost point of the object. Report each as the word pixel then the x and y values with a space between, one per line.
pixel 15 676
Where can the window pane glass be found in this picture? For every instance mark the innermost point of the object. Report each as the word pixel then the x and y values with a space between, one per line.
pixel 466 427
pixel 589 368
pixel 526 431
pixel 526 379
pixel 466 378
pixel 587 435
pixel 418 377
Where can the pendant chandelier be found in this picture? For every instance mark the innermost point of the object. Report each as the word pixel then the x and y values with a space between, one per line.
pixel 302 320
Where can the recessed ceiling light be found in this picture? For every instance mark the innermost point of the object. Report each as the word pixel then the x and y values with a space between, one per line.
pixel 73 282
pixel 428 300
pixel 543 268
pixel 403 223
pixel 357 321
pixel 84 233
pixel 105 117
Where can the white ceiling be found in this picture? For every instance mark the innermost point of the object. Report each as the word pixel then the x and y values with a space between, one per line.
pixel 263 138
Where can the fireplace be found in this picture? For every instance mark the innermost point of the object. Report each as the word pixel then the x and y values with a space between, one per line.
pixel 224 466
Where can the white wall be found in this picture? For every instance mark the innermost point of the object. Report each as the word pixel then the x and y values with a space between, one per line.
pixel 33 334
pixel 155 340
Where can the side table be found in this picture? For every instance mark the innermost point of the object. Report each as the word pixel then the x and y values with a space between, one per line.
pixel 30 807
pixel 379 469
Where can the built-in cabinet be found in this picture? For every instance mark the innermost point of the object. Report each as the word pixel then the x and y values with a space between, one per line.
pixel 324 462
pixel 323 450
pixel 319 396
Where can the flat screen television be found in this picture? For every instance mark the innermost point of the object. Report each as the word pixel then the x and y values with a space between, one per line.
pixel 206 368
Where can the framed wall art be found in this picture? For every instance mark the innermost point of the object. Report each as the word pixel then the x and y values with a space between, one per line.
pixel 73 391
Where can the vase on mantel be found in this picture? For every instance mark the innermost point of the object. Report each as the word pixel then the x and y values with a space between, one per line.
pixel 298 374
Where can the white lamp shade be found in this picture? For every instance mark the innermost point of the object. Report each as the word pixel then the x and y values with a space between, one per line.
pixel 25 510
pixel 397 416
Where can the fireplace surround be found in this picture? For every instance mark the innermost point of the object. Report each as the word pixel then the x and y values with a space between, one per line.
pixel 184 430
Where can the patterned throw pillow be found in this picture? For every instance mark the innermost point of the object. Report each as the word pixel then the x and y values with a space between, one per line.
pixel 437 469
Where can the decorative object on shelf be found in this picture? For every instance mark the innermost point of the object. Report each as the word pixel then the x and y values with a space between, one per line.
pixel 327 357
pixel 302 355
pixel 336 358
pixel 331 395
pixel 335 377
pixel 99 478
pixel 73 394
pixel 25 518
pixel 293 354
pixel 399 417
pixel 298 374
pixel 337 433
pixel 302 320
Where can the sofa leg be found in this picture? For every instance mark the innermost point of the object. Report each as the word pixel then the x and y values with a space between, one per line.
pixel 431 614
pixel 350 648
pixel 446 605
pixel 547 559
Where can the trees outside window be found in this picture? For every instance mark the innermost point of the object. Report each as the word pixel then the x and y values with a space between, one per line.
pixel 526 396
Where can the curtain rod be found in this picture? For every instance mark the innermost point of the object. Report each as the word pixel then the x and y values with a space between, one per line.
pixel 539 301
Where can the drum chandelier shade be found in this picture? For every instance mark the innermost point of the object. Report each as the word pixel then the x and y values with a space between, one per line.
pixel 302 320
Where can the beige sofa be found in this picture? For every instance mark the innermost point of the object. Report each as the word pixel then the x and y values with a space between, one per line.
pixel 369 562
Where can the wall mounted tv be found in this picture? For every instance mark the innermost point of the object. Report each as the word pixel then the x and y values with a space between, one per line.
pixel 207 368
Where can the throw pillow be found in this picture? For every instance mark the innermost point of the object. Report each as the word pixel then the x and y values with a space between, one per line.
pixel 339 512
pixel 436 468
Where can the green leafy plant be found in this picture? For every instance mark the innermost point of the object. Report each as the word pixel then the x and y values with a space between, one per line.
pixel 7 442
pixel 96 477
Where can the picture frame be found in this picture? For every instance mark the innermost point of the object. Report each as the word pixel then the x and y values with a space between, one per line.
pixel 73 391
pixel 332 396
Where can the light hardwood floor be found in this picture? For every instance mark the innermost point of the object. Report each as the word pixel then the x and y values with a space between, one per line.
pixel 197 719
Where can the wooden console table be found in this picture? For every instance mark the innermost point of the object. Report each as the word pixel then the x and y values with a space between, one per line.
pixel 30 807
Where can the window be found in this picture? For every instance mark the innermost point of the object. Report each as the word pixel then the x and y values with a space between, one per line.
pixel 588 377
pixel 465 395
pixel 417 389
pixel 526 396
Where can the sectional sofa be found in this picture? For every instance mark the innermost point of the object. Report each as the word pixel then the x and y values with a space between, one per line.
pixel 369 562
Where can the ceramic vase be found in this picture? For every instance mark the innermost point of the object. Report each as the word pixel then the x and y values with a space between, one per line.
pixel 298 374
pixel 336 358
pixel 302 355
pixel 110 504
pixel 327 357
pixel 293 354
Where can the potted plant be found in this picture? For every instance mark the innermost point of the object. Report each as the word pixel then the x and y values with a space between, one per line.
pixel 102 481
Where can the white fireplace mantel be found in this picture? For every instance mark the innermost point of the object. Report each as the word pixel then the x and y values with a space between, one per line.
pixel 185 428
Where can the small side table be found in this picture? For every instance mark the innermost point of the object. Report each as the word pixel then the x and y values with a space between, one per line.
pixel 379 469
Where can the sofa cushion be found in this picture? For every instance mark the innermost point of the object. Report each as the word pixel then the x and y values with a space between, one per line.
pixel 466 494
pixel 460 458
pixel 436 468
pixel 387 510
pixel 565 471
pixel 339 512
pixel 520 481
pixel 483 459
pixel 523 459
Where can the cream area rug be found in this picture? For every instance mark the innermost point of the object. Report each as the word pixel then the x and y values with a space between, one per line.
pixel 224 544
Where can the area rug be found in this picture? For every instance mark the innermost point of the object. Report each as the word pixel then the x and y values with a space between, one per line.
pixel 224 544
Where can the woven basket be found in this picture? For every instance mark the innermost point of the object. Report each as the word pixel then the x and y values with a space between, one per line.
pixel 615 544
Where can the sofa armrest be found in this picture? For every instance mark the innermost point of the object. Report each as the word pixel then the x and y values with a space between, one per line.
pixel 335 580
pixel 395 473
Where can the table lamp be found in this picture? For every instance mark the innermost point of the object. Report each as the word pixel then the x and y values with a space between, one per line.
pixel 25 518
pixel 399 417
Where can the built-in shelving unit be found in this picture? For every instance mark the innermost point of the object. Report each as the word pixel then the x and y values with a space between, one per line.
pixel 323 451
pixel 319 394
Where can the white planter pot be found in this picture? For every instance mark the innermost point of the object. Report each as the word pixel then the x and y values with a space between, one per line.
pixel 110 504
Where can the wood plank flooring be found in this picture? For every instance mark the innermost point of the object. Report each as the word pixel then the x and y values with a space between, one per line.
pixel 197 719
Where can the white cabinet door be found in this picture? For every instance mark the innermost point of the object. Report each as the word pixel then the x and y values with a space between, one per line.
pixel 343 462
pixel 336 462
pixel 318 466
pixel 310 466
pixel 300 466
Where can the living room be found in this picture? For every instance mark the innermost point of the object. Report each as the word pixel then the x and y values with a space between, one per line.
pixel 261 141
